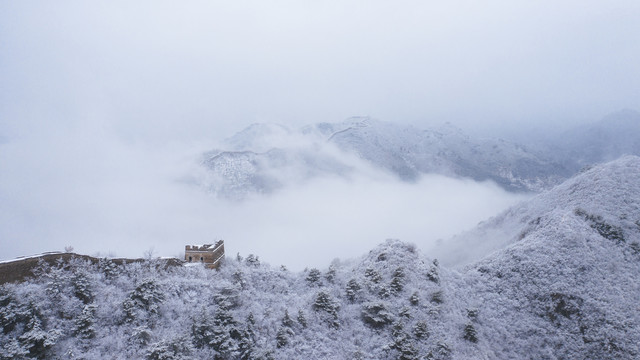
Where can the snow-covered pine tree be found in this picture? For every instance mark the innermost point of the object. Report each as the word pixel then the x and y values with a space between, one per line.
pixel 470 333
pixel 397 281
pixel 286 320
pixel 283 335
pixel 325 303
pixel 420 330
pixel 402 343
pixel 144 299
pixel 84 323
pixel 352 289
pixel 414 299
pixel 376 314
pixel 225 332
pixel 35 339
pixel 313 277
pixel 302 319
pixel 331 273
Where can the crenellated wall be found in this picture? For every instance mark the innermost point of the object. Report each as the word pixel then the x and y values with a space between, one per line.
pixel 209 254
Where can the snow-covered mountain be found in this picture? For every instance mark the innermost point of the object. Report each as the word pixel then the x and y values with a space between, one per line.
pixel 608 192
pixel 266 157
pixel 562 285
pixel 615 135
pixel 263 157
pixel 410 152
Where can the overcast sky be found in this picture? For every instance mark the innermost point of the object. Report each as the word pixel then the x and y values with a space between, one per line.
pixel 104 104
pixel 166 69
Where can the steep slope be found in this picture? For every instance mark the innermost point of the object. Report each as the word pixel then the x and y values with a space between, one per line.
pixel 567 285
pixel 609 191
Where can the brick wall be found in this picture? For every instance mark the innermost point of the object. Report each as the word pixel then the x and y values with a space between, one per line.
pixel 211 254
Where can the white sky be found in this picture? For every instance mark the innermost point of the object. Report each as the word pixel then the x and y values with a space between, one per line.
pixel 103 103
pixel 165 69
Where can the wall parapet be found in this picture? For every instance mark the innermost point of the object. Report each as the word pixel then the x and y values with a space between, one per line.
pixel 208 254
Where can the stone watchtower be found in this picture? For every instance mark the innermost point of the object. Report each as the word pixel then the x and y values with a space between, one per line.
pixel 208 254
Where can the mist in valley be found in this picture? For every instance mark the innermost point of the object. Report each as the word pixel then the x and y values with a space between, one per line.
pixel 126 200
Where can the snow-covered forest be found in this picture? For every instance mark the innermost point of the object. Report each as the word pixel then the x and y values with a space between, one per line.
pixel 563 285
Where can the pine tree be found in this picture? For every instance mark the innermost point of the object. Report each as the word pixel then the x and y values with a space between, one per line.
pixel 302 319
pixel 57 280
pixel 283 335
pixel 252 260
pixel 324 302
pixel 225 332
pixel 352 289
pixel 414 299
pixel 81 286
pixel 246 344
pixel 472 314
pixel 146 297
pixel 331 274
pixel 11 311
pixel 251 320
pixel 238 278
pixel 286 320
pixel 141 335
pixel 402 343
pixel 108 268
pixel 397 282
pixel 35 339
pixel 470 333
pixel 202 329
pixel 376 314
pixel 84 324
pixel 432 274
pixel 313 277
pixel 372 275
pixel 384 292
pixel 420 330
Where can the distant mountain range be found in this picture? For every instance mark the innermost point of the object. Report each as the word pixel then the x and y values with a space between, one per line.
pixel 266 157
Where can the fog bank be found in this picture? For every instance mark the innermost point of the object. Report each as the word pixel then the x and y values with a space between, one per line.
pixel 89 189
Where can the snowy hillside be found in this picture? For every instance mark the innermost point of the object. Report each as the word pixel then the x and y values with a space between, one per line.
pixel 409 152
pixel 562 285
pixel 609 191
pixel 264 158
pixel 615 135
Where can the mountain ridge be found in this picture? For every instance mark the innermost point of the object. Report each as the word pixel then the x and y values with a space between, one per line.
pixel 402 151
